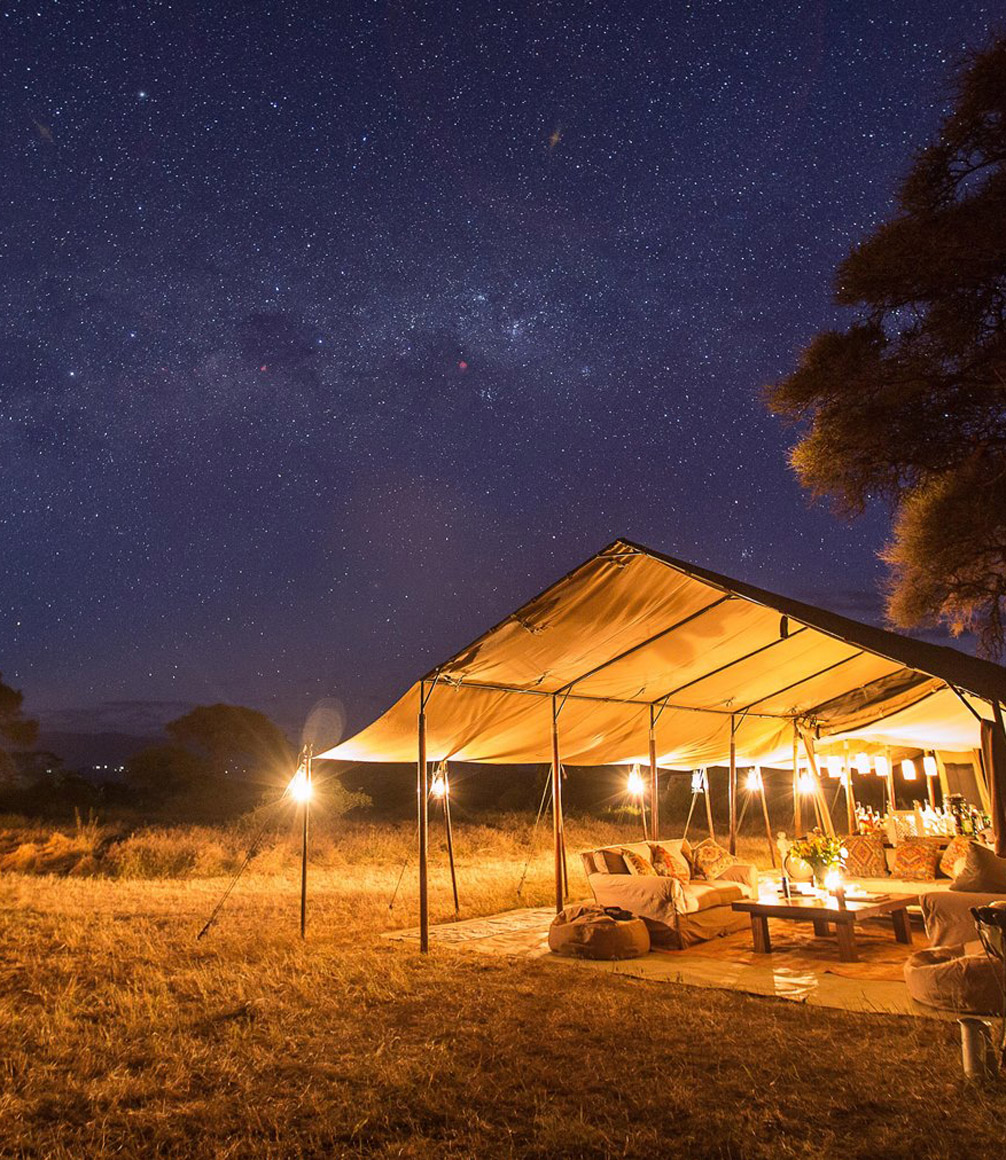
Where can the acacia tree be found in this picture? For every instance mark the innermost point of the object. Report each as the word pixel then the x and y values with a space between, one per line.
pixel 908 405
pixel 17 732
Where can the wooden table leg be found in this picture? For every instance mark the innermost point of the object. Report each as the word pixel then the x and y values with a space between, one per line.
pixel 760 935
pixel 902 926
pixel 846 942
pixel 821 928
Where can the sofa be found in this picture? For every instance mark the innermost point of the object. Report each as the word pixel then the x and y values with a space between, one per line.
pixel 677 913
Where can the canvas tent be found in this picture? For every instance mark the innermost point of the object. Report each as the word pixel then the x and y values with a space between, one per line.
pixel 637 657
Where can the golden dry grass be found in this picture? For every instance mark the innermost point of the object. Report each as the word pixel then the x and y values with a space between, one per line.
pixel 123 1035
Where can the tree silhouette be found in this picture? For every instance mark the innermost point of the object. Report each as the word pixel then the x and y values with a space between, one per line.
pixel 909 404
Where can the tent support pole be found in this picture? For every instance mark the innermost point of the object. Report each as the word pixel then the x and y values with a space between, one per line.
pixel 733 786
pixel 892 798
pixel 450 838
pixel 423 793
pixel 709 805
pixel 557 835
pixel 850 802
pixel 654 786
pixel 691 810
pixel 768 824
pixel 797 804
pixel 820 801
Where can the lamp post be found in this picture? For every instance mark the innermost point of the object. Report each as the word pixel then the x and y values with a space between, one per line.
pixel 302 790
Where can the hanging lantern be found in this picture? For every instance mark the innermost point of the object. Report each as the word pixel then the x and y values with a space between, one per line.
pixel 929 766
pixel 635 784
pixel 300 786
pixel 908 769
pixel 834 767
pixel 805 783
pixel 753 781
pixel 438 787
pixel 883 765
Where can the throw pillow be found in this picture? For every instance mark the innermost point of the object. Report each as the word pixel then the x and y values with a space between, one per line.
pixel 983 872
pixel 710 860
pixel 670 863
pixel 953 856
pixel 864 856
pixel 611 861
pixel 637 864
pixel 915 859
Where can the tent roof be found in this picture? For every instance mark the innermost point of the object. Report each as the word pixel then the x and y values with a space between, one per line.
pixel 632 632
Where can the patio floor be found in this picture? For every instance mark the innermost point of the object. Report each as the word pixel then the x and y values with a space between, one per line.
pixel 802 968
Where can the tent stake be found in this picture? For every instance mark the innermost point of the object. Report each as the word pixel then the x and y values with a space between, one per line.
pixel 423 793
pixel 654 786
pixel 557 838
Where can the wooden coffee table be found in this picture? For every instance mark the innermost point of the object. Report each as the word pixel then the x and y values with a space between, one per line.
pixel 824 915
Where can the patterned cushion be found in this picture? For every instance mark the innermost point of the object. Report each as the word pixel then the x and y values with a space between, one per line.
pixel 864 856
pixel 915 859
pixel 670 863
pixel 637 864
pixel 610 862
pixel 955 853
pixel 983 872
pixel 710 860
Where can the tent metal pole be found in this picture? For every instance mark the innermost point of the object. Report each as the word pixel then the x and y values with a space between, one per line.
pixel 709 805
pixel 732 790
pixel 654 785
pixel 768 824
pixel 691 810
pixel 450 837
pixel 557 812
pixel 797 804
pixel 423 793
pixel 820 801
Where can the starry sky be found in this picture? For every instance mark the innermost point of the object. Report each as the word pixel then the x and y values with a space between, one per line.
pixel 331 332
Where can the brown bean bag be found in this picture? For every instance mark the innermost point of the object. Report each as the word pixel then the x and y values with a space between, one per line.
pixel 587 932
pixel 956 978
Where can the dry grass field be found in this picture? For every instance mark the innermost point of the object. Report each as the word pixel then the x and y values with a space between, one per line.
pixel 122 1035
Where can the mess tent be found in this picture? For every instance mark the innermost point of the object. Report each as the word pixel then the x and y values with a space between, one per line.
pixel 636 657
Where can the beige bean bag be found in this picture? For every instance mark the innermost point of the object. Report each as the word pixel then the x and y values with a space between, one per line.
pixel 586 932
pixel 956 978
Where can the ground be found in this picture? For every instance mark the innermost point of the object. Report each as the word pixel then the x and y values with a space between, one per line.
pixel 123 1034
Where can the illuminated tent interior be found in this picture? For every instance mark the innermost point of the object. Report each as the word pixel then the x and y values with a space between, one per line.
pixel 638 657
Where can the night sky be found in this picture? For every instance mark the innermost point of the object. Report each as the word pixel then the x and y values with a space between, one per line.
pixel 332 332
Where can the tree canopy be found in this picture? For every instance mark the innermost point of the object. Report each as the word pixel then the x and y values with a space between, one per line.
pixel 908 405
pixel 17 731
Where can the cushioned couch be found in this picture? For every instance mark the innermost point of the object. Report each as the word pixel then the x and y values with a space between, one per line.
pixel 677 913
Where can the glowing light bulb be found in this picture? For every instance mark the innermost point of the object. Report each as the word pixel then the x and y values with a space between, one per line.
pixel 635 784
pixel 805 783
pixel 929 766
pixel 908 769
pixel 753 781
pixel 301 789
pixel 883 765
pixel 438 787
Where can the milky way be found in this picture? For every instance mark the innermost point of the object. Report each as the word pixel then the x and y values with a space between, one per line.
pixel 331 332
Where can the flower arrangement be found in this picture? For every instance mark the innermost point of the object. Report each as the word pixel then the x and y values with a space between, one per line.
pixel 820 852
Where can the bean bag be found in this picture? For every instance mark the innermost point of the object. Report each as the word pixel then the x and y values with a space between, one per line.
pixel 956 978
pixel 589 932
